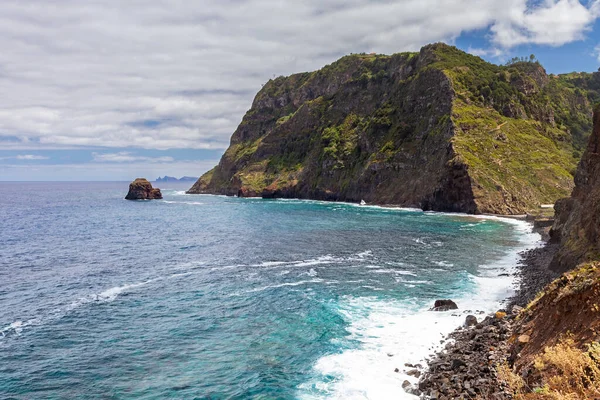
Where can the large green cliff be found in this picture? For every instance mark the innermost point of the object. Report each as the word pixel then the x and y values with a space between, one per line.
pixel 439 129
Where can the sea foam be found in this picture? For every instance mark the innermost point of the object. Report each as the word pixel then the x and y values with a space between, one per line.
pixel 392 333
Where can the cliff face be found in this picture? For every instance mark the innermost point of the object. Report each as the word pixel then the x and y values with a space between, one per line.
pixel 555 341
pixel 577 225
pixel 439 129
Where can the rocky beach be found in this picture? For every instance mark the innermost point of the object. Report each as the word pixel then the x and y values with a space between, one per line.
pixel 467 367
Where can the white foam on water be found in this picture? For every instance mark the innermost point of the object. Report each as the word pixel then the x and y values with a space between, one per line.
pixel 192 203
pixel 400 272
pixel 319 260
pixel 426 243
pixel 417 282
pixel 106 296
pixel 326 259
pixel 377 289
pixel 112 293
pixel 362 255
pixel 16 327
pixel 280 285
pixel 273 263
pixel 392 333
pixel 443 264
pixel 312 272
pixel 395 272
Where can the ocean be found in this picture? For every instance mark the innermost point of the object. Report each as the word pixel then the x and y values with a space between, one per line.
pixel 212 297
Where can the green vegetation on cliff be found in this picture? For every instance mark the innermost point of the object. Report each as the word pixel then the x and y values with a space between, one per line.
pixel 439 129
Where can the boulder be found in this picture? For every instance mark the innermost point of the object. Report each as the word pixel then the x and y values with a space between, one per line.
pixel 500 314
pixel 471 320
pixel 444 305
pixel 414 372
pixel 523 339
pixel 141 189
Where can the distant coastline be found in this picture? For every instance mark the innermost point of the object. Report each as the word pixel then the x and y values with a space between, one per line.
pixel 167 178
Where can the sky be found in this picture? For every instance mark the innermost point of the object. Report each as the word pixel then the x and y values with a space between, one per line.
pixel 116 89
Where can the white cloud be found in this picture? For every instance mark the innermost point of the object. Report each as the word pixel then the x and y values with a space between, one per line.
pixel 128 157
pixel 550 22
pixel 25 157
pixel 30 157
pixel 165 75
pixel 494 52
pixel 597 52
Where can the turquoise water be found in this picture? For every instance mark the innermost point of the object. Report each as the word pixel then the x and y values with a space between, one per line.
pixel 211 297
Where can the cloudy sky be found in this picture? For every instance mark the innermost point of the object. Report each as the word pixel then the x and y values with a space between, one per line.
pixel 114 89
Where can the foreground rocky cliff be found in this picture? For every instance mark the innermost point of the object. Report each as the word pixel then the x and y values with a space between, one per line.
pixel 577 225
pixel 550 349
pixel 560 352
pixel 439 129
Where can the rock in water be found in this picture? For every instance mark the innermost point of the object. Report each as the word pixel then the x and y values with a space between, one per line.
pixel 444 305
pixel 141 189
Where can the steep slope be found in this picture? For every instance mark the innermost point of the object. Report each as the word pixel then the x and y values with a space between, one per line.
pixel 577 225
pixel 439 129
pixel 555 347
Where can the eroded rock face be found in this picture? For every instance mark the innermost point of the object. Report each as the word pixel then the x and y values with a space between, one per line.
pixel 577 225
pixel 141 189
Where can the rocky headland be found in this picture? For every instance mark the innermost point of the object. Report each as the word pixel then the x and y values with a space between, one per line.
pixel 439 129
pixel 141 189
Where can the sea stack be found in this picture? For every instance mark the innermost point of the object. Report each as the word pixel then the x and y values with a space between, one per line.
pixel 141 189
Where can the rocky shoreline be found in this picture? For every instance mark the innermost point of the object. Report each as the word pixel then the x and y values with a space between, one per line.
pixel 466 368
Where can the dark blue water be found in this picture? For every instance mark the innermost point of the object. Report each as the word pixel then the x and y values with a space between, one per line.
pixel 211 297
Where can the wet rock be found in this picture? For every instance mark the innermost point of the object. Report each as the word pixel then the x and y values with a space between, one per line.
pixel 471 320
pixel 500 314
pixel 444 305
pixel 141 189
pixel 414 372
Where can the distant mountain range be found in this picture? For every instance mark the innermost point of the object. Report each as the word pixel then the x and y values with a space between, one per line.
pixel 173 179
